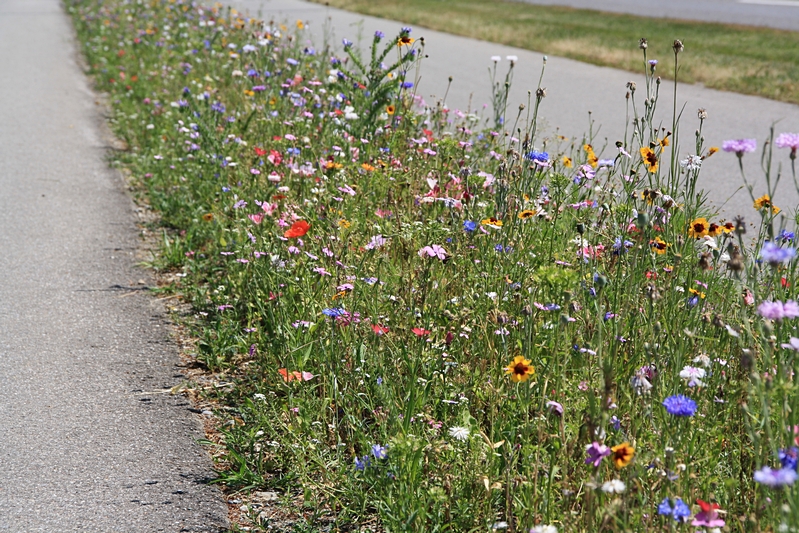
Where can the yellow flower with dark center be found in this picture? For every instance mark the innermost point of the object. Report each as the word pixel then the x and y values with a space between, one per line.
pixel 300 24
pixel 567 162
pixel 698 228
pixel 650 195
pixel 659 245
pixel 208 217
pixel 592 158
pixel 664 142
pixel 711 151
pixel 764 202
pixel 650 159
pixel 527 213
pixel 248 92
pixel 390 109
pixel 343 223
pixel 622 454
pixel 519 369
pixel 714 229
pixel 367 167
pixel 404 39
pixel 728 227
pixel 491 221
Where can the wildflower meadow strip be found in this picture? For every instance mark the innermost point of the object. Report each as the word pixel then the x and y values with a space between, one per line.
pixel 435 319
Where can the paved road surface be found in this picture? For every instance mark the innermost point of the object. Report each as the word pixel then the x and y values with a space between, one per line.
pixel 782 14
pixel 85 444
pixel 573 90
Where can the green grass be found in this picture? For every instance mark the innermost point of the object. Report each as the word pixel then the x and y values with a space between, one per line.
pixel 742 59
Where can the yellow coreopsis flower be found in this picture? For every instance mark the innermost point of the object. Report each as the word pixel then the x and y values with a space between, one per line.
pixel 519 369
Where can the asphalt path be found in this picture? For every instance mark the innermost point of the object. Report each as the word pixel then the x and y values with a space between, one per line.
pixel 89 440
pixel 781 14
pixel 573 90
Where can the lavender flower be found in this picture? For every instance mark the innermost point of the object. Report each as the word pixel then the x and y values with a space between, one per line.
pixel 787 140
pixel 379 451
pixel 773 254
pixel 778 310
pixel 775 478
pixel 740 146
pixel 679 405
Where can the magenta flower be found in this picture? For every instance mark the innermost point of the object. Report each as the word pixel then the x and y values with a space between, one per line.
pixel 596 452
pixel 739 146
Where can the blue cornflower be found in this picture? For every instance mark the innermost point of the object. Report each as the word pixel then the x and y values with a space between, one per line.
pixel 406 29
pixel 774 255
pixel 379 34
pixel 293 62
pixel 469 226
pixel 346 42
pixel 333 312
pixel 786 235
pixel 541 157
pixel 362 462
pixel 407 84
pixel 680 510
pixel 789 457
pixel 252 73
pixel 379 452
pixel 219 107
pixel 679 405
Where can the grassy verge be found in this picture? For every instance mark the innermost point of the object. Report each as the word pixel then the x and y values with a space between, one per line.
pixel 742 59
pixel 425 324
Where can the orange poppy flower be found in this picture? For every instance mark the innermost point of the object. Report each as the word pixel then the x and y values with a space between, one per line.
pixel 298 229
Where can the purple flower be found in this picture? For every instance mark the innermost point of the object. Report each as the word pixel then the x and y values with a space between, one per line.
pixel 379 34
pixel 680 510
pixel 555 408
pixel 778 310
pixel 789 457
pixel 793 344
pixel 773 254
pixel 219 107
pixel 740 146
pixel 596 452
pixel 679 405
pixel 787 140
pixel 362 462
pixel 775 478
pixel 543 157
pixel 379 451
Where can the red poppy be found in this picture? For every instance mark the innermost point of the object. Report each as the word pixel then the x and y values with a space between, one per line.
pixel 379 329
pixel 785 283
pixel 298 229
pixel 260 151
pixel 420 332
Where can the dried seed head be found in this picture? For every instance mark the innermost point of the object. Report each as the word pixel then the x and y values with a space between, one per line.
pixel 706 261
pixel 631 85
pixel 701 113
pixel 643 44
pixel 541 92
pixel 740 225
pixel 678 46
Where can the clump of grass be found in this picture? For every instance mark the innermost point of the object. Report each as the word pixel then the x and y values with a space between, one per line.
pixel 436 320
pixel 728 57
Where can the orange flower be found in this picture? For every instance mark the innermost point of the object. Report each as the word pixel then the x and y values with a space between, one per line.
pixel 592 158
pixel 390 109
pixel 298 229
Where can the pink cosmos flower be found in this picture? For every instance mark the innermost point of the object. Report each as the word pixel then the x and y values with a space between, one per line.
pixel 434 251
